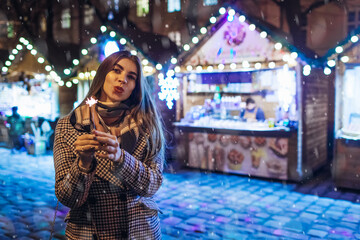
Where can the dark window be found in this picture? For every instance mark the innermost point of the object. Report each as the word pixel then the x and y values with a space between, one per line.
pixel 351 16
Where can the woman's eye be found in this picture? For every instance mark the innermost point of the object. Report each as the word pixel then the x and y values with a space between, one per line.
pixel 131 77
pixel 117 71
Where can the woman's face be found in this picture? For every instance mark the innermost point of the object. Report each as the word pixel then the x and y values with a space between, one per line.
pixel 120 81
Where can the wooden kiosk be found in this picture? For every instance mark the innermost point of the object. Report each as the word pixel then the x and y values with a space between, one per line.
pixel 346 166
pixel 235 59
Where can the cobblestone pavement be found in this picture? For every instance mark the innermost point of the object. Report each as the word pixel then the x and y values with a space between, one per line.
pixel 195 205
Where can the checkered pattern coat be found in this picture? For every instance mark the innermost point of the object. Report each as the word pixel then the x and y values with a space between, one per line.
pixel 114 201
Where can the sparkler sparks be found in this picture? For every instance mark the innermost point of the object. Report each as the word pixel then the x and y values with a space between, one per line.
pixel 91 101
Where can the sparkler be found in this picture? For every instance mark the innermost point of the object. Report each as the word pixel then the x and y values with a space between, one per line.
pixel 90 102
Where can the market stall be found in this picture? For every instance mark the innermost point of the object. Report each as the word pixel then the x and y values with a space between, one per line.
pixel 234 60
pixel 28 81
pixel 346 166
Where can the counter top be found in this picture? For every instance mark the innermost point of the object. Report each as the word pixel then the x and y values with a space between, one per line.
pixel 229 127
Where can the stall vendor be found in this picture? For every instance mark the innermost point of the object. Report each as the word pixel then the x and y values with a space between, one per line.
pixel 252 113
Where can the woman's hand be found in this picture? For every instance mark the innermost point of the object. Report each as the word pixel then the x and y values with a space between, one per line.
pixel 86 145
pixel 110 145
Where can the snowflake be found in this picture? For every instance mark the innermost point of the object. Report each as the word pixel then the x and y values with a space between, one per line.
pixel 169 90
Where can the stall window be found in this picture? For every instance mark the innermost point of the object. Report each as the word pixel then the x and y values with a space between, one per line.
pixel 351 100
pixel 175 37
pixel 66 18
pixel 210 2
pixel 174 6
pixel 88 15
pixel 142 8
pixel 10 30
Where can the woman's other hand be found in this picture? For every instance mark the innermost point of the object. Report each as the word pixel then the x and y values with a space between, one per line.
pixel 86 145
pixel 110 145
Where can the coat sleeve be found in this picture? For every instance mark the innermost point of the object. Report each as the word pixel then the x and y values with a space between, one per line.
pixel 145 176
pixel 71 185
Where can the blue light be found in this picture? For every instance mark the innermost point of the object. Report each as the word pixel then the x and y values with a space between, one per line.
pixel 169 90
pixel 110 47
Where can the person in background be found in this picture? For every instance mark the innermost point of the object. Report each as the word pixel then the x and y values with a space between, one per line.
pixel 16 129
pixel 109 157
pixel 252 113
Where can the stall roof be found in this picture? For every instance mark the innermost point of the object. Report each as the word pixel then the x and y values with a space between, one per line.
pixel 347 50
pixel 24 58
pixel 234 38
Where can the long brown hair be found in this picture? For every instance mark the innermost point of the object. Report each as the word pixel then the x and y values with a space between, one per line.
pixel 141 104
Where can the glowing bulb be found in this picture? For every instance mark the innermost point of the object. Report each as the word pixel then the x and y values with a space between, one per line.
pixel 189 68
pixel 75 81
pixel 278 46
pixel 195 40
pixel 103 29
pixel 186 47
pixel 210 68
pixel 33 52
pixel 233 65
pixel 48 68
pixel 263 34
pixel 133 52
pixel 19 47
pixel 68 84
pixel 4 69
pixel 173 60
pixel 11 57
pixel 245 64
pixel 242 18
pixel 177 69
pixel 145 61
pixel 7 63
pixel 41 60
pixel 354 39
pixel 231 12
pixel 84 51
pixel 213 20
pixel 93 40
pixel 76 62
pixel 61 83
pixel 331 63
pixel 67 71
pixel 344 59
pixel 15 51
pixel 112 34
pixel 252 27
pixel 29 47
pixel 158 66
pixel 271 64
pixel 339 49
pixel 327 71
pixel 294 55
pixel 222 10
pixel 221 66
pixel 199 68
pixel 203 30
pixel 257 65
pixel 122 41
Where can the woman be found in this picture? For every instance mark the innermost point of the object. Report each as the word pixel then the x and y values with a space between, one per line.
pixel 109 158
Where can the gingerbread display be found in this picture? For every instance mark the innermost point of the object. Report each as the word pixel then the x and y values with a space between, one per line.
pixel 235 159
pixel 224 140
pixel 234 139
pixel 260 141
pixel 245 142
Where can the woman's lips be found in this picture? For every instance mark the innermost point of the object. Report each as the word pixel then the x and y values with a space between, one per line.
pixel 118 89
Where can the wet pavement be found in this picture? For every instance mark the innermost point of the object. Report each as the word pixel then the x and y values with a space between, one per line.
pixel 195 205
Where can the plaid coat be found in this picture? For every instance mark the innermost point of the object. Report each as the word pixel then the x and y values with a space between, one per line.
pixel 114 201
